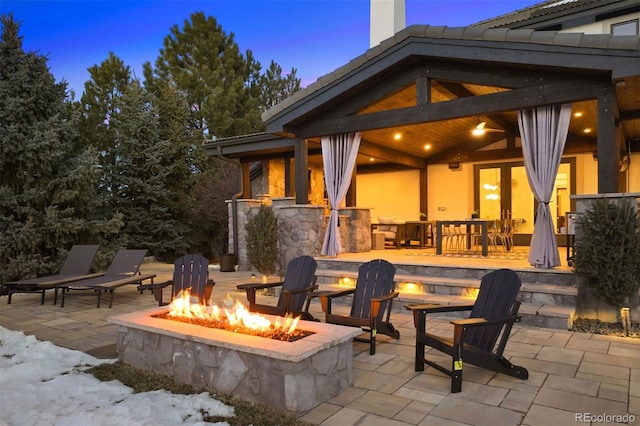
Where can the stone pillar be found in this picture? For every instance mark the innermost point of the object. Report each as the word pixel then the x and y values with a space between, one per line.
pixel 355 231
pixel 301 229
pixel 244 212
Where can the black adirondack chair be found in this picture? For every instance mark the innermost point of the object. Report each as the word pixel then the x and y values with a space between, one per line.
pixel 372 302
pixel 191 271
pixel 299 281
pixel 480 339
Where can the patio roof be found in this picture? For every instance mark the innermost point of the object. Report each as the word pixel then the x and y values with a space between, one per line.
pixel 433 84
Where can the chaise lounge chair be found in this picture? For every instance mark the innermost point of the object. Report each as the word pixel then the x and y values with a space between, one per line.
pixel 76 267
pixel 190 271
pixel 124 269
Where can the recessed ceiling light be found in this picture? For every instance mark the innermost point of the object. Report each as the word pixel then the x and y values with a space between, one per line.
pixel 577 114
pixel 427 147
pixel 371 159
pixel 587 130
pixel 397 136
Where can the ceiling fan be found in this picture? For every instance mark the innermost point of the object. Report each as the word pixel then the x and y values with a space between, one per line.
pixel 481 128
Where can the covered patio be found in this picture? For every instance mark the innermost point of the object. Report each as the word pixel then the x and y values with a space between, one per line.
pixel 414 100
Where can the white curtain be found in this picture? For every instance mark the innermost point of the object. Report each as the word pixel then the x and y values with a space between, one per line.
pixel 544 133
pixel 339 153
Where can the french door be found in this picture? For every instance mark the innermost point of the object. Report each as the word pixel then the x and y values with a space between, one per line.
pixel 502 189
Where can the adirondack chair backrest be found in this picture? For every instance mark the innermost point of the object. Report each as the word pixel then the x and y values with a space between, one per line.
pixel 79 260
pixel 301 273
pixel 126 262
pixel 375 278
pixel 496 299
pixel 190 271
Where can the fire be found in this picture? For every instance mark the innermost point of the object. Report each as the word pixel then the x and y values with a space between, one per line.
pixel 235 315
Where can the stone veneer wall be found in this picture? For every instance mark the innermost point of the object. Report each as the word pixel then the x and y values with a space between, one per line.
pixel 301 229
pixel 356 235
pixel 244 211
pixel 295 387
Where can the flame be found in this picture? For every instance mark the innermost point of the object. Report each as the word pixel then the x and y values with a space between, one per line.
pixel 183 305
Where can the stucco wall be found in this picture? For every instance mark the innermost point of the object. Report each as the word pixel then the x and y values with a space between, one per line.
pixel 390 194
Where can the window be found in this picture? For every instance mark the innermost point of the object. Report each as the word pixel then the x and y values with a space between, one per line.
pixel 625 28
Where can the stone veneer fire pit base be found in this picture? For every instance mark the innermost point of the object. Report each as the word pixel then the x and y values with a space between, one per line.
pixel 289 376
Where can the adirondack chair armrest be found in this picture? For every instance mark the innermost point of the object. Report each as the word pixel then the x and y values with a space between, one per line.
pixel 481 322
pixel 288 295
pixel 376 302
pixel 258 286
pixel 327 296
pixel 430 308
pixel 420 311
pixel 302 290
pixel 151 287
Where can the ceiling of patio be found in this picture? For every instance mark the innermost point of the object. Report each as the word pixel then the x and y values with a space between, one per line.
pixel 453 140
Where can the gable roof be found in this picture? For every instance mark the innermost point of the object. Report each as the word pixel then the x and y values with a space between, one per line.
pixel 617 55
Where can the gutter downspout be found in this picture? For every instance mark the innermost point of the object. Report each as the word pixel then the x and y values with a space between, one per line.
pixel 234 198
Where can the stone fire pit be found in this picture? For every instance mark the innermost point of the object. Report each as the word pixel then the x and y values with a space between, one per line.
pixel 290 376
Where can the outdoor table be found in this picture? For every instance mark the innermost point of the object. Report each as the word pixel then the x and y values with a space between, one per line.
pixel 469 223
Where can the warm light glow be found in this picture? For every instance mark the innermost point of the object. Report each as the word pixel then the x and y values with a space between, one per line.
pixel 183 305
pixel 427 147
pixel 409 288
pixel 397 136
pixel 492 197
pixel 346 282
pixel 577 114
pixel 587 130
pixel 371 159
pixel 478 132
pixel 490 187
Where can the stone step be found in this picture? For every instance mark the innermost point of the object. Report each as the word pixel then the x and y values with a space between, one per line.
pixel 405 269
pixel 543 305
pixel 548 294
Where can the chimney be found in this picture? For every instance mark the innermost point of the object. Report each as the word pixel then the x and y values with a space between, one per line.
pixel 386 19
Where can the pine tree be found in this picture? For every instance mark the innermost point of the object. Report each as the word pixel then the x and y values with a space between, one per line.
pixel 223 86
pixel 47 186
pixel 99 108
pixel 142 175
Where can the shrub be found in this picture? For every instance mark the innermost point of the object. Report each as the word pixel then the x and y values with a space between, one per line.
pixel 262 240
pixel 607 257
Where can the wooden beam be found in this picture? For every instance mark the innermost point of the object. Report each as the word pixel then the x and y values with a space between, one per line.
pixel 380 89
pixel 608 144
pixel 302 165
pixel 529 97
pixel 377 151
pixel 497 76
pixel 459 91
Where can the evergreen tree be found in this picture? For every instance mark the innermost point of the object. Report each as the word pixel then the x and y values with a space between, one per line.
pixel 47 192
pixel 275 88
pixel 142 171
pixel 99 108
pixel 223 86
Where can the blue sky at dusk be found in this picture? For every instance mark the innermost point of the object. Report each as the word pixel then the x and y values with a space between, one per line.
pixel 313 36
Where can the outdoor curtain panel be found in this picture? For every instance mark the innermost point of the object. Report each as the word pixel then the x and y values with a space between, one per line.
pixel 544 133
pixel 339 153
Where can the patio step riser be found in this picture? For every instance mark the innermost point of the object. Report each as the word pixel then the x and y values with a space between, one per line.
pixel 548 298
pixel 560 278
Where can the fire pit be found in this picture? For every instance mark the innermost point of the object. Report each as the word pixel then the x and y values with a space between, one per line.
pixel 293 376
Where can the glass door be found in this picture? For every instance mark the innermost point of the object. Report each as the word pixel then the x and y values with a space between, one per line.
pixel 504 188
